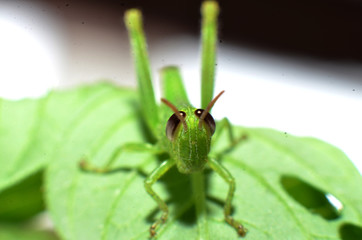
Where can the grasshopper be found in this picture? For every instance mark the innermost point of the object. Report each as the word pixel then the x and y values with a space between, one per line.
pixel 186 135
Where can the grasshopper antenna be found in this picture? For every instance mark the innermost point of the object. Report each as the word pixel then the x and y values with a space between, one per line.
pixel 208 108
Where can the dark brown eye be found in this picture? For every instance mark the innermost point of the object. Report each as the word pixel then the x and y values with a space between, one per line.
pixel 172 124
pixel 198 112
pixel 209 120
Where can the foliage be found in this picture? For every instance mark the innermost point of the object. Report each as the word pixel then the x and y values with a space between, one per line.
pixel 270 168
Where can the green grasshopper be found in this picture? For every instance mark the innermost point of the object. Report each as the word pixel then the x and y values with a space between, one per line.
pixel 187 140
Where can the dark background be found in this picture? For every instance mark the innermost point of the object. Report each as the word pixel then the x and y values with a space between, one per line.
pixel 323 29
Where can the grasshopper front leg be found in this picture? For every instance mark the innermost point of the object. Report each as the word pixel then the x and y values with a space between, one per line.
pixel 150 180
pixel 225 174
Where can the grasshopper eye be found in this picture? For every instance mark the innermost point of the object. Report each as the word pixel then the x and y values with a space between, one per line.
pixel 172 124
pixel 209 120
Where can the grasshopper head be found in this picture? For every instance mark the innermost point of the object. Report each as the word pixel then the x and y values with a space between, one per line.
pixel 189 131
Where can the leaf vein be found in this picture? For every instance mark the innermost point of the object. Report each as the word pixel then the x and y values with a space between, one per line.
pixel 115 202
pixel 95 102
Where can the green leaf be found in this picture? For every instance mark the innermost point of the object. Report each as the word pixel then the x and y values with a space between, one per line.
pixel 30 128
pixel 22 200
pixel 269 167
pixel 21 123
pixel 29 131
pixel 20 232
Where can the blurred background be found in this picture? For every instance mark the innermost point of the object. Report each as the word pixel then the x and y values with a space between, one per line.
pixel 295 66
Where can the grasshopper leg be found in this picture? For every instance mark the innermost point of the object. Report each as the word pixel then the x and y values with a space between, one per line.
pixel 225 124
pixel 225 174
pixel 129 147
pixel 150 180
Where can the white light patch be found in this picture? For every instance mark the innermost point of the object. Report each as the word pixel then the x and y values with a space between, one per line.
pixel 29 66
pixel 335 202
